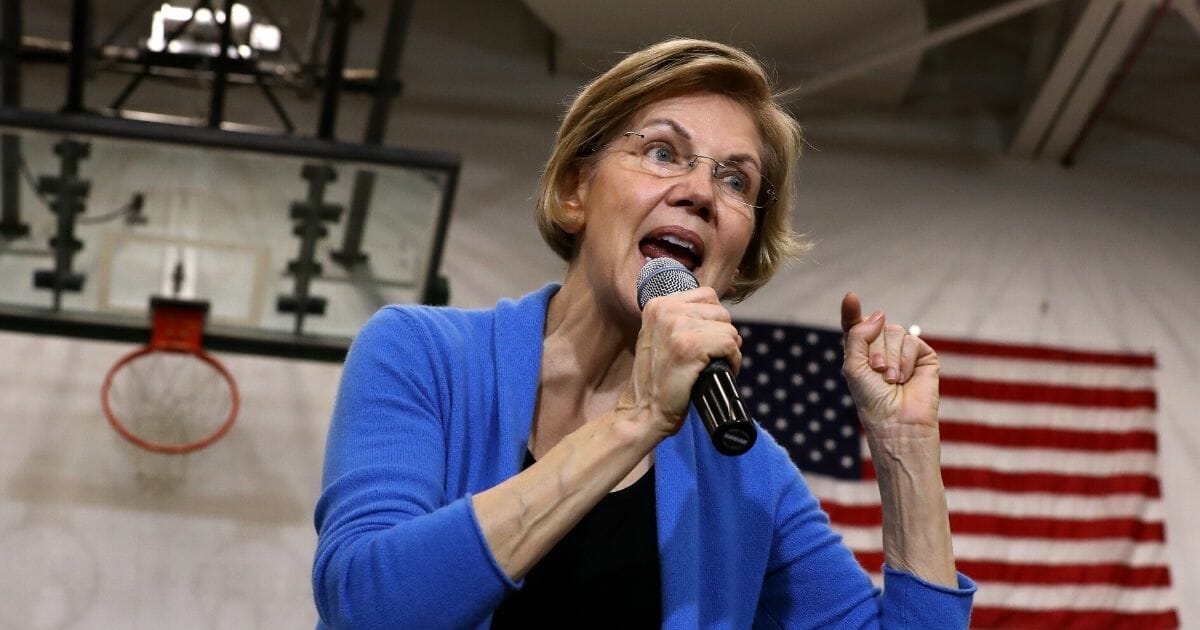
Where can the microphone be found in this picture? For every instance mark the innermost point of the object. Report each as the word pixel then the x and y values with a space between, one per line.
pixel 715 394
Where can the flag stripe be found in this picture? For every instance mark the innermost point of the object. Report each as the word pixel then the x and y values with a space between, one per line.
pixel 952 387
pixel 1025 527
pixel 1027 550
pixel 999 617
pixel 1034 371
pixel 1031 573
pixel 1006 414
pixel 1037 460
pixel 1033 504
pixel 1019 482
pixel 1043 353
pixel 1077 597
pixel 960 431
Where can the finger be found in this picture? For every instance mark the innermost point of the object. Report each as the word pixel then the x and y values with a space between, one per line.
pixel 860 337
pixel 877 351
pixel 893 340
pixel 686 304
pixel 851 311
pixel 704 342
pixel 908 356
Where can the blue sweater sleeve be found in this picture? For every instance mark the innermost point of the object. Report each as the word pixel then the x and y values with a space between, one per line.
pixel 814 581
pixel 393 550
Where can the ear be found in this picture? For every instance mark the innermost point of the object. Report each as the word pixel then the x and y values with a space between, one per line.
pixel 572 195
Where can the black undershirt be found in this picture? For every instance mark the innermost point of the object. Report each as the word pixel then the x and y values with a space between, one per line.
pixel 603 573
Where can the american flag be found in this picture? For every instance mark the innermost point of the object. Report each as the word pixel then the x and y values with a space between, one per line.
pixel 1049 457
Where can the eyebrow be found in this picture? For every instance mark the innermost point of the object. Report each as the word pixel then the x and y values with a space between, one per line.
pixel 677 128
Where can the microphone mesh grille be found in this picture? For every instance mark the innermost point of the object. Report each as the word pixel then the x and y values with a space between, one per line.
pixel 663 276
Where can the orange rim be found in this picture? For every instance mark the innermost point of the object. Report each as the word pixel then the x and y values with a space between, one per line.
pixel 160 447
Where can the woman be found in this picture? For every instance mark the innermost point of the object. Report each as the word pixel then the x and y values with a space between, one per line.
pixel 538 463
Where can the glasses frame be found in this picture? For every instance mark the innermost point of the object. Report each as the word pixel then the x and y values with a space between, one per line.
pixel 766 188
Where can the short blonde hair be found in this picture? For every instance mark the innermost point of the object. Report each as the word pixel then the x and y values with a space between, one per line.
pixel 667 69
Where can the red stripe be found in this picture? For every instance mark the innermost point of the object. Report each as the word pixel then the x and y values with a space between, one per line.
pixel 1058 528
pixel 1014 527
pixel 1047 574
pixel 1041 353
pixel 991 617
pixel 1036 393
pixel 1146 485
pixel 1038 437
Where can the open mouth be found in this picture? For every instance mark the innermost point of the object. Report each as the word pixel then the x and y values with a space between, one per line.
pixel 674 242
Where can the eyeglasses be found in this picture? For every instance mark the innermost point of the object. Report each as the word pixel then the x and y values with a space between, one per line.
pixel 737 181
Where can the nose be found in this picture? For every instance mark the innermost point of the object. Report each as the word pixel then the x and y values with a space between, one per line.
pixel 696 190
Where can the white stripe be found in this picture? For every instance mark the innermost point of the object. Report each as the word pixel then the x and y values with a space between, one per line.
pixel 1012 504
pixel 843 491
pixel 1099 597
pixel 1040 505
pixel 1008 414
pixel 1058 461
pixel 1028 550
pixel 1045 372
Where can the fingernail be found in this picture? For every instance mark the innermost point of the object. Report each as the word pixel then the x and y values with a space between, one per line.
pixel 892 375
pixel 874 316
pixel 877 361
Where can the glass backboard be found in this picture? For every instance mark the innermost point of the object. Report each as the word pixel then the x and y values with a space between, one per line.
pixel 257 226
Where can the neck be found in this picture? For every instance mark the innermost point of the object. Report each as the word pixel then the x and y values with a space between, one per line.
pixel 585 343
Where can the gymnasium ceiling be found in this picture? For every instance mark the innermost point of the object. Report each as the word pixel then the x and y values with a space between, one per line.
pixel 1042 72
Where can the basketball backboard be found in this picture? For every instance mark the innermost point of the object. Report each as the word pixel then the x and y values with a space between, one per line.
pixel 293 242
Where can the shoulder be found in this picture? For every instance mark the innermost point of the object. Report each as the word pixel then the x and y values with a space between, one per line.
pixel 412 327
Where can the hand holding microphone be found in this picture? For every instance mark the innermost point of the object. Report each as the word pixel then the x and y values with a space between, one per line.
pixel 714 393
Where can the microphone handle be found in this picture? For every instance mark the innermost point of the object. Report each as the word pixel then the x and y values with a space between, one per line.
pixel 716 398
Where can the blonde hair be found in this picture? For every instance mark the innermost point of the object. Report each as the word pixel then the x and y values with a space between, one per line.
pixel 666 69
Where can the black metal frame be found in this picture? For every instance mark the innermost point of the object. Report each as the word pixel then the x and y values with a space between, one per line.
pixel 231 339
pixel 11 225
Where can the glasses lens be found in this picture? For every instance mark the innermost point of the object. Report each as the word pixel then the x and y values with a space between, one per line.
pixel 738 181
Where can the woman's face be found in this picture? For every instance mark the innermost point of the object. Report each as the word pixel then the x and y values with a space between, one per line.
pixel 625 213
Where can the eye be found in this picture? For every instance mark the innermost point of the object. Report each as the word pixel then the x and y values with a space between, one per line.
pixel 661 152
pixel 734 179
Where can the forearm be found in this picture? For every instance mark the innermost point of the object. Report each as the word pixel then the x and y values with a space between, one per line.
pixel 916 522
pixel 526 515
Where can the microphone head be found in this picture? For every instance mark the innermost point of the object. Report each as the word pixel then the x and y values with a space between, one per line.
pixel 663 276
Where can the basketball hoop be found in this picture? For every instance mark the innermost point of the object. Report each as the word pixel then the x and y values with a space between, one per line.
pixel 170 396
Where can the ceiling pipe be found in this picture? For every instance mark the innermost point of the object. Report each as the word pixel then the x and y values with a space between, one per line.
pixel 1190 12
pixel 1110 90
pixel 934 39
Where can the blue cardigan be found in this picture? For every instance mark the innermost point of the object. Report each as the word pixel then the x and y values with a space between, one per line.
pixel 436 404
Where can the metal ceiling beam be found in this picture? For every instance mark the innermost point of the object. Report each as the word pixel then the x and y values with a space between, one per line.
pixel 943 35
pixel 1190 10
pixel 1100 41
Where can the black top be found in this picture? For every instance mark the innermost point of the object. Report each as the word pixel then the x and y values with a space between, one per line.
pixel 603 573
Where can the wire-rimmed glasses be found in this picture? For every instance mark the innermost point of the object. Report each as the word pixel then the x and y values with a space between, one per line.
pixel 737 181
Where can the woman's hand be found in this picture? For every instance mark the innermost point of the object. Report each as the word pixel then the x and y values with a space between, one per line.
pixel 893 376
pixel 680 334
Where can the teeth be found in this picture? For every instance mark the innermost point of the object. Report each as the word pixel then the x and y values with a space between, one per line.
pixel 674 240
